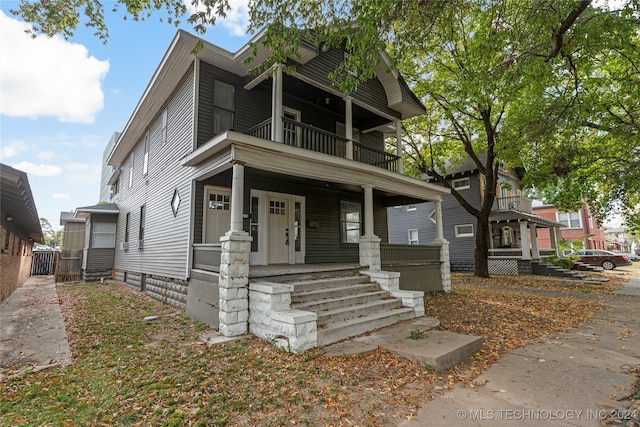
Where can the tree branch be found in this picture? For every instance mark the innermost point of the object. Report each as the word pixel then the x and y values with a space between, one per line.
pixel 558 35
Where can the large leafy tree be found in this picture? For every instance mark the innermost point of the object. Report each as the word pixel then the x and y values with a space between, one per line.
pixel 551 85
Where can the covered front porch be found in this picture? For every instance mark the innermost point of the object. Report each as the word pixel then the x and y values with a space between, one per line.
pixel 513 242
pixel 293 212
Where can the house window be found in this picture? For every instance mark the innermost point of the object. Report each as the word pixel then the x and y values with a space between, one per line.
pixel 131 172
pixel 115 188
pixel 165 115
pixel 569 219
pixel 253 223
pixel 350 219
pixel 126 227
pixel 413 236
pixel 142 220
pixel 5 240
pixel 464 230
pixel 432 216
pixel 104 235
pixel 461 184
pixel 223 106
pixel 411 208
pixel 145 164
pixel 219 202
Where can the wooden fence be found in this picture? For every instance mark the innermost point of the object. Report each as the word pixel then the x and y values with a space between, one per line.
pixel 43 263
pixel 65 265
pixel 69 265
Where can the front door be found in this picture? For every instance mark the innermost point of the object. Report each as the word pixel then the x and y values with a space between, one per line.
pixel 217 213
pixel 278 230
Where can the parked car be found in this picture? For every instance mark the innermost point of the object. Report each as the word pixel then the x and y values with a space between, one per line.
pixel 605 259
pixel 632 257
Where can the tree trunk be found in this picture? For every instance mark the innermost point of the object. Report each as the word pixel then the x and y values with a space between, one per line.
pixel 482 246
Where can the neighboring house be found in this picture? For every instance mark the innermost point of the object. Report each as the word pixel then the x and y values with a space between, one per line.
pixel 580 225
pixel 98 257
pixel 105 189
pixel 617 240
pixel 514 229
pixel 73 231
pixel 224 178
pixel 20 228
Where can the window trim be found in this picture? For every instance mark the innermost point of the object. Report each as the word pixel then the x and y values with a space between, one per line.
pixel 145 162
pixel 417 240
pixel 463 187
pixel 141 226
pixel 165 119
pixel 412 207
pixel 459 234
pixel 216 107
pixel 344 222
pixel 568 223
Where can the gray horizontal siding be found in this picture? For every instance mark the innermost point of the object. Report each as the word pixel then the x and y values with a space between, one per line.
pixel 166 239
pixel 100 258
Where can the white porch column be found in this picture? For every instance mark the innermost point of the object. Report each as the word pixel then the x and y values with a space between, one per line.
pixel 369 244
pixel 534 242
pixel 348 125
pixel 233 281
pixel 490 237
pixel 276 104
pixel 524 241
pixel 553 235
pixel 399 148
pixel 368 210
pixel 439 227
pixel 237 196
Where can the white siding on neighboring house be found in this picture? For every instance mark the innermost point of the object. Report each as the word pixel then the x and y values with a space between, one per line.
pixel 166 239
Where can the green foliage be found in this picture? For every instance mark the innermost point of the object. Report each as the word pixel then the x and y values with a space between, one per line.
pixel 416 334
pixel 564 262
pixel 52 237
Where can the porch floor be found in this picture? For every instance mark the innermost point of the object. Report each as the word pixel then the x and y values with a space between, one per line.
pixel 263 272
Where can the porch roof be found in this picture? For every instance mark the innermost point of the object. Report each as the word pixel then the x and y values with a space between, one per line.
pixel 514 216
pixel 228 147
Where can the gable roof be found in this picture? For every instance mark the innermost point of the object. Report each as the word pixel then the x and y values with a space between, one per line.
pixel 18 212
pixel 179 58
pixel 101 208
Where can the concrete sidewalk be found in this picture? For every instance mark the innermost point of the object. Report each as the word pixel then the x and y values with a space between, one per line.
pixel 32 332
pixel 569 379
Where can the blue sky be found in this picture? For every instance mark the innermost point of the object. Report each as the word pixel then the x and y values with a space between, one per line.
pixel 60 101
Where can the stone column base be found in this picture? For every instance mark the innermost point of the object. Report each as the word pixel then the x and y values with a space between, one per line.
pixel 370 252
pixel 233 283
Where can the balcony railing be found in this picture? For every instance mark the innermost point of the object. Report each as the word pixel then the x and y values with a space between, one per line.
pixel 517 203
pixel 305 136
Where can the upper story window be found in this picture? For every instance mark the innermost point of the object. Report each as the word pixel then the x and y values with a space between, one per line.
pixel 464 230
pixel 569 219
pixel 461 184
pixel 145 164
pixel 131 171
pixel 224 106
pixel 115 188
pixel 411 208
pixel 165 118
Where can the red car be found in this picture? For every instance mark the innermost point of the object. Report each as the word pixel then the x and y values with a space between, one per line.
pixel 605 259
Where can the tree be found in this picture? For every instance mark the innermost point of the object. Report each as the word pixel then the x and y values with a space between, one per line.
pixel 52 237
pixel 504 80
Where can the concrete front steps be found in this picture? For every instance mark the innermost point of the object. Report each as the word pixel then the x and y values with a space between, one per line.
pixel 541 268
pixel 347 306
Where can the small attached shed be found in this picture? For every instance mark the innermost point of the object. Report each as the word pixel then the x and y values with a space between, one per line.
pixel 100 240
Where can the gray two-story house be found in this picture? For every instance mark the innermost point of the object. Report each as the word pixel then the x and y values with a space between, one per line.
pixel 229 183
pixel 513 227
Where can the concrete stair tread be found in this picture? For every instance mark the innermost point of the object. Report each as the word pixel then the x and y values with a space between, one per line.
pixel 336 331
pixel 355 311
pixel 317 305
pixel 328 282
pixel 333 292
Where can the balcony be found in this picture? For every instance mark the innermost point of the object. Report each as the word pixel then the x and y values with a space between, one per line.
pixel 308 137
pixel 517 203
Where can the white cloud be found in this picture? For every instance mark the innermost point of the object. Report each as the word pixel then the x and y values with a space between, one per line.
pixel 46 155
pixel 48 76
pixel 77 166
pixel 38 170
pixel 12 148
pixel 237 19
pixel 61 196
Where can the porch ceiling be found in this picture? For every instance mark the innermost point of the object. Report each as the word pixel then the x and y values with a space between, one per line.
pixel 514 216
